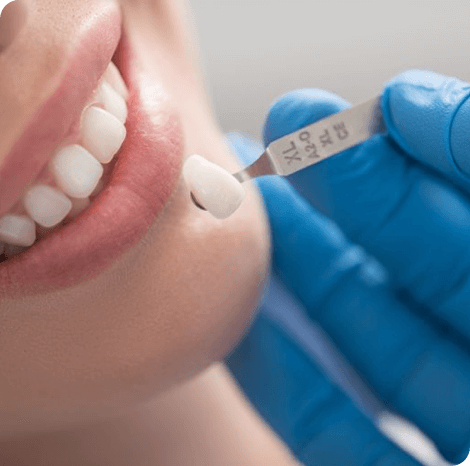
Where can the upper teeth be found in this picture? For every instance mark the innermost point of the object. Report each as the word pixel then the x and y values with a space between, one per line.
pixel 47 205
pixel 114 78
pixel 102 133
pixel 76 169
pixel 112 102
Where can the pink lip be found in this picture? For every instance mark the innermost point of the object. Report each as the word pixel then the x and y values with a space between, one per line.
pixel 58 120
pixel 144 175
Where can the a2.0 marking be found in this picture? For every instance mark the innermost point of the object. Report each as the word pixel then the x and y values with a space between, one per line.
pixel 309 145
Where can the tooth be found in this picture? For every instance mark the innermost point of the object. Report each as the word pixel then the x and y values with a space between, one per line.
pixel 46 205
pixel 78 206
pixel 113 76
pixel 76 171
pixel 102 133
pixel 112 102
pixel 18 230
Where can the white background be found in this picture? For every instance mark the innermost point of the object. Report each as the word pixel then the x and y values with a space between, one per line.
pixel 253 51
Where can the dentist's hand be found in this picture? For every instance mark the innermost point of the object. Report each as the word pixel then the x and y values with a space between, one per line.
pixel 403 198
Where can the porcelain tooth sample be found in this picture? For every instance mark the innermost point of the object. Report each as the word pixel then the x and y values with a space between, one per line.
pixel 213 187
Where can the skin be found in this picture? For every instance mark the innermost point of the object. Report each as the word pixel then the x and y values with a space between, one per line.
pixel 135 349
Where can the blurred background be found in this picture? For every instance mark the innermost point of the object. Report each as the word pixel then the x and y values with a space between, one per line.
pixel 253 51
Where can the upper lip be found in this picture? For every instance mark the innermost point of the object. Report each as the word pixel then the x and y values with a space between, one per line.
pixel 67 78
pixel 141 183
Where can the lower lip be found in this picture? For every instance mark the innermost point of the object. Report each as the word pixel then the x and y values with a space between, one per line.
pixel 145 173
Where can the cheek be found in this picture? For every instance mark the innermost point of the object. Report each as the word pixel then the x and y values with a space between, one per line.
pixel 177 302
pixel 197 282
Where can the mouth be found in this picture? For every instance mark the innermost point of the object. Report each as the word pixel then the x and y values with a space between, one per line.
pixel 133 187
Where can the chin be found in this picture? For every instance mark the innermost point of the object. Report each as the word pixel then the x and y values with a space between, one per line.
pixel 178 301
pixel 188 304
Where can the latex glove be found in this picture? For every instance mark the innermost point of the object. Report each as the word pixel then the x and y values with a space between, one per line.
pixel 409 338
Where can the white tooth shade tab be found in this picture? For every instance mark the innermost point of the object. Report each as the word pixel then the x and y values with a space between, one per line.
pixel 46 205
pixel 213 187
pixel 102 133
pixel 76 171
pixel 114 78
pixel 112 102
pixel 18 230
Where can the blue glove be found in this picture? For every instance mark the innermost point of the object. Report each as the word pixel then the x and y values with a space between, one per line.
pixel 401 199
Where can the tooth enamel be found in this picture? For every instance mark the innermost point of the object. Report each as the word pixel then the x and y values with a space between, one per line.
pixel 46 205
pixel 78 206
pixel 114 78
pixel 102 133
pixel 112 102
pixel 76 171
pixel 18 230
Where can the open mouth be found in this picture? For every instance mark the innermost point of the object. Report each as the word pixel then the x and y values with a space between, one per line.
pixel 75 175
pixel 97 198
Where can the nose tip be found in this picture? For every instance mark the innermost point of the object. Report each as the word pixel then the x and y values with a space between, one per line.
pixel 12 19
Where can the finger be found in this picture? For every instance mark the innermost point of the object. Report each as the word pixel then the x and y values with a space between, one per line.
pixel 413 221
pixel 318 422
pixel 415 369
pixel 428 115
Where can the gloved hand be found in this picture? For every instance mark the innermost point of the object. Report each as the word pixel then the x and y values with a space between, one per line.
pixel 404 199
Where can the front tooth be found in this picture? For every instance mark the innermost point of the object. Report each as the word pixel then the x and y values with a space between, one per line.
pixel 114 78
pixel 76 171
pixel 112 102
pixel 46 205
pixel 18 230
pixel 102 133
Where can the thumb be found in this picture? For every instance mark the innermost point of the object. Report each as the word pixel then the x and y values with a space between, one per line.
pixel 293 111
pixel 299 108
